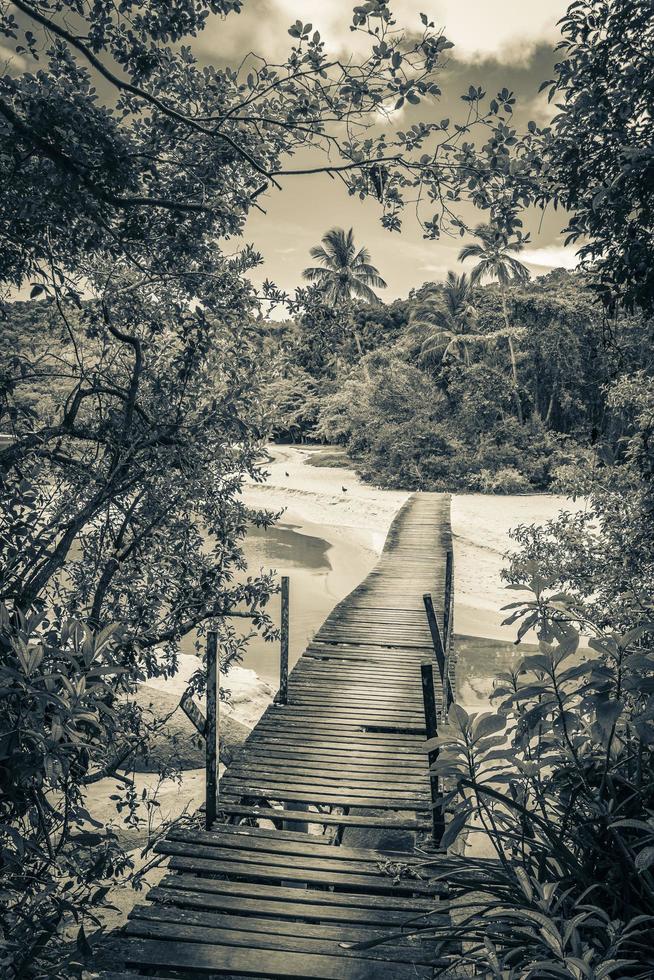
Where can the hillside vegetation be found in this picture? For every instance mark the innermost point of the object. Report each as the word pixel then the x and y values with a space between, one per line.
pixel 420 394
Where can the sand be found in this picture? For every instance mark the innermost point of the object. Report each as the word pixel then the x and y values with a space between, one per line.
pixel 338 505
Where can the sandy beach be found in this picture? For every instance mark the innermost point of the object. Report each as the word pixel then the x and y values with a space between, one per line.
pixel 335 504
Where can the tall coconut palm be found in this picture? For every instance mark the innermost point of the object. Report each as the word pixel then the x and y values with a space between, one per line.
pixel 496 262
pixel 345 274
pixel 444 321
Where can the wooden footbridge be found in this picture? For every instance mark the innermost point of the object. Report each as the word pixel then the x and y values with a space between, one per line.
pixel 275 888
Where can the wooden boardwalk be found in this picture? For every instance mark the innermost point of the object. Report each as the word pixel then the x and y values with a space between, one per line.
pixel 259 895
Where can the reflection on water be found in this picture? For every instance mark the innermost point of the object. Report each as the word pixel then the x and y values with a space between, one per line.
pixel 285 546
pixel 321 574
pixel 479 661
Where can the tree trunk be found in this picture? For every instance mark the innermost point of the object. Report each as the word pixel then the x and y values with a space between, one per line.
pixel 550 407
pixel 514 369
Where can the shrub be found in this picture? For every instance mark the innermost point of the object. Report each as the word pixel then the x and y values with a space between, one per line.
pixel 561 783
pixel 508 479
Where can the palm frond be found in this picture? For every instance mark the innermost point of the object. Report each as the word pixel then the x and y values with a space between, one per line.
pixel 369 275
pixel 480 271
pixel 471 251
pixel 519 271
pixel 361 258
pixel 315 274
pixel 362 291
pixel 319 253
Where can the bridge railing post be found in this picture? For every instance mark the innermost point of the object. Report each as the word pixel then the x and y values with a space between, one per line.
pixel 282 694
pixel 448 625
pixel 439 650
pixel 431 726
pixel 211 729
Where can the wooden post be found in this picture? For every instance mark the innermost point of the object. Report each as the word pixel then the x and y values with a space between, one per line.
pixel 282 697
pixel 447 612
pixel 439 650
pixel 211 729
pixel 431 725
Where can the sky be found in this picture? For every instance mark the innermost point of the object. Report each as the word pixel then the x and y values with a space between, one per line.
pixel 504 43
pixel 500 43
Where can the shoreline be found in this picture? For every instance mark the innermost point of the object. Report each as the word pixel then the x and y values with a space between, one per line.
pixel 339 507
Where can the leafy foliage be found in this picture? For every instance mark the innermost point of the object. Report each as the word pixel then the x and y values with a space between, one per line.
pixel 600 153
pixel 429 401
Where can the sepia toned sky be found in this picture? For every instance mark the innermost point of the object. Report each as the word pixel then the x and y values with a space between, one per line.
pixel 501 43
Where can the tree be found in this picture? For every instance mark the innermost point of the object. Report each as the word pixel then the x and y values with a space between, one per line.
pixel 598 154
pixel 127 164
pixel 345 273
pixel 495 261
pixel 444 320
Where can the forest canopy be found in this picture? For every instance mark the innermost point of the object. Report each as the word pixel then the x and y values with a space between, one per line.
pixel 419 390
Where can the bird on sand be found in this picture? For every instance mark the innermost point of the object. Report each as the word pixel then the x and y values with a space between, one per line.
pixel 344 489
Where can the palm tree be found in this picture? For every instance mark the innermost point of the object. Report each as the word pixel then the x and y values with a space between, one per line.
pixel 496 262
pixel 345 273
pixel 445 319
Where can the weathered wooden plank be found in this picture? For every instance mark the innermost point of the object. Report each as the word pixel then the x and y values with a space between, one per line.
pixel 278 910
pixel 333 771
pixel 232 935
pixel 222 960
pixel 293 789
pixel 271 840
pixel 255 812
pixel 393 901
pixel 258 924
pixel 342 872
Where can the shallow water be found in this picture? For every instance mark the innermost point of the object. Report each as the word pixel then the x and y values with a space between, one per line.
pixel 323 568
pixel 321 574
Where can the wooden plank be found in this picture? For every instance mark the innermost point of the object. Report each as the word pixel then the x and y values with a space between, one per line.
pixel 312 793
pixel 279 872
pixel 259 924
pixel 395 902
pixel 344 773
pixel 327 819
pixel 276 907
pixel 245 832
pixel 221 850
pixel 235 935
pixel 223 960
pixel 211 728
pixel 244 837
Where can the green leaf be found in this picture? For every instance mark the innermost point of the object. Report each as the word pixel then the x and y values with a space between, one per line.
pixel 487 724
pixel 454 827
pixel 644 859
pixel 458 717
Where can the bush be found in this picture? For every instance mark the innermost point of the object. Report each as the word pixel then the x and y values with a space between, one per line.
pixel 561 783
pixel 505 480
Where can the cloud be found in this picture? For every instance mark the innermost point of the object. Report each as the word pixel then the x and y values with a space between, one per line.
pixel 10 62
pixel 507 31
pixel 551 257
pixel 540 109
